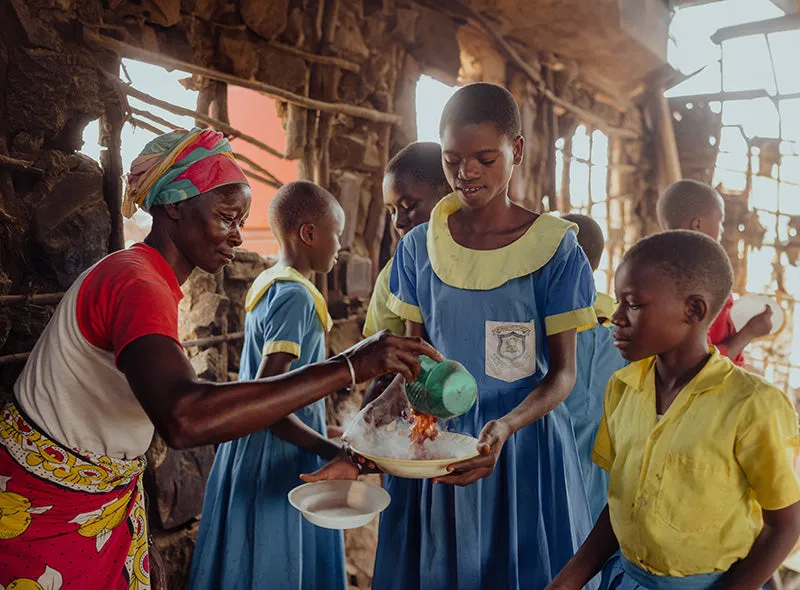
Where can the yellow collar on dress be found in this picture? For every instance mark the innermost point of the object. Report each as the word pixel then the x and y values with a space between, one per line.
pixel 604 306
pixel 286 273
pixel 484 270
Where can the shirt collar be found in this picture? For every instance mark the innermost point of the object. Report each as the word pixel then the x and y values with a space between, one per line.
pixel 641 374
pixel 286 273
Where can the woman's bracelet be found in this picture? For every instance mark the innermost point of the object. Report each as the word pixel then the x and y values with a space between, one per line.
pixel 352 371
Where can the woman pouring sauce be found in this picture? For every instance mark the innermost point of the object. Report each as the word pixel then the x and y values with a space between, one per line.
pixel 109 369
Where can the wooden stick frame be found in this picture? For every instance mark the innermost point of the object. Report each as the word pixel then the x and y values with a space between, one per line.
pixel 133 52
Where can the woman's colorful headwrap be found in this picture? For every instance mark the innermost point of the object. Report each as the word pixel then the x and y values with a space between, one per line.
pixel 178 166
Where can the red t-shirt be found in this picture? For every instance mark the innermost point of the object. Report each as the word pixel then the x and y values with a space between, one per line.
pixel 129 294
pixel 721 329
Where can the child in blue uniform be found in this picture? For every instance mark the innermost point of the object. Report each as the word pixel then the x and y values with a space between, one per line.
pixel 501 290
pixel 703 492
pixel 413 183
pixel 597 359
pixel 250 537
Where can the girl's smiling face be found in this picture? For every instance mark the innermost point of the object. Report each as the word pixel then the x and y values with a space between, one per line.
pixel 478 161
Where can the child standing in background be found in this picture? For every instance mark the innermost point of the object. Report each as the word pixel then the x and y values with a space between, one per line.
pixel 501 290
pixel 412 184
pixel 692 205
pixel 703 492
pixel 250 537
pixel 596 360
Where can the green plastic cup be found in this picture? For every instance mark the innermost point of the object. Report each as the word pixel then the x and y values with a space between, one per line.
pixel 444 389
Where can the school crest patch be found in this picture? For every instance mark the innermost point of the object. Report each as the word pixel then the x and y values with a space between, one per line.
pixel 510 350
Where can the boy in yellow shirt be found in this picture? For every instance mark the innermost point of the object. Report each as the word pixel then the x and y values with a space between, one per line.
pixel 703 491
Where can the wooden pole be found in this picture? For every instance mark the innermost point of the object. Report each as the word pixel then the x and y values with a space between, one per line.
pixel 127 50
pixel 154 118
pixel 215 123
pixel 17 164
pixel 258 168
pixel 315 58
pixel 586 116
pixel 145 125
pixel 111 124
pixel 38 299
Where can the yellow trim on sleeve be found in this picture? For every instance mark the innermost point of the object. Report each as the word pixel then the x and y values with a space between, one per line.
pixel 410 313
pixel 484 270
pixel 604 306
pixel 286 273
pixel 577 319
pixel 601 462
pixel 379 316
pixel 281 346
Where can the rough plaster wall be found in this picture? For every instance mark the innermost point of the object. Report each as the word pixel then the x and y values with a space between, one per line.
pixel 54 222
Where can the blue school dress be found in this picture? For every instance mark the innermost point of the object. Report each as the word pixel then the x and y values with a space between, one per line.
pixel 621 574
pixel 250 537
pixel 596 360
pixel 491 311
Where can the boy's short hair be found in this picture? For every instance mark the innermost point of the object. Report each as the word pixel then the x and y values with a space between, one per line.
pixel 695 262
pixel 482 102
pixel 421 161
pixel 685 200
pixel 297 203
pixel 590 237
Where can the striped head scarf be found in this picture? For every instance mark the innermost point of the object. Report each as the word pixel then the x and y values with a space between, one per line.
pixel 178 166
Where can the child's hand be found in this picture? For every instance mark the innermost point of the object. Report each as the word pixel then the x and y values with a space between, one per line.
pixel 339 468
pixel 761 324
pixel 490 444
pixel 334 431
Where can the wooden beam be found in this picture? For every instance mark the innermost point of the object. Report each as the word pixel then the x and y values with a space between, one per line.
pixel 133 52
pixel 586 116
pixel 111 124
pixel 258 168
pixel 790 22
pixel 145 125
pixel 317 59
pixel 154 118
pixel 215 123
pixel 17 164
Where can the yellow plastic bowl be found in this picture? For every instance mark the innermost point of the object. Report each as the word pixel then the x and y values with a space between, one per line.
pixel 426 468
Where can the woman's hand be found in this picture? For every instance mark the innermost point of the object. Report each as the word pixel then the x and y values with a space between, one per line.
pixel 386 353
pixel 490 444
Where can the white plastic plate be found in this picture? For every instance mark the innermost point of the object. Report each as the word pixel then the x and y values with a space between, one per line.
pixel 339 503
pixel 426 468
pixel 747 306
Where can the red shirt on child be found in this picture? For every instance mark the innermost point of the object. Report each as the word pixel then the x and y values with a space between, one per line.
pixel 721 329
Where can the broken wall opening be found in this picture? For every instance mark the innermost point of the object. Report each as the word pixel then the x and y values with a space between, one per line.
pixel 737 120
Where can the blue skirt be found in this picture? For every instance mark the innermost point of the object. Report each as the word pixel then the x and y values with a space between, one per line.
pixel 515 529
pixel 621 574
pixel 250 537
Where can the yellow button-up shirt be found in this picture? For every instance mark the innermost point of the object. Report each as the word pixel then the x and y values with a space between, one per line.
pixel 686 492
